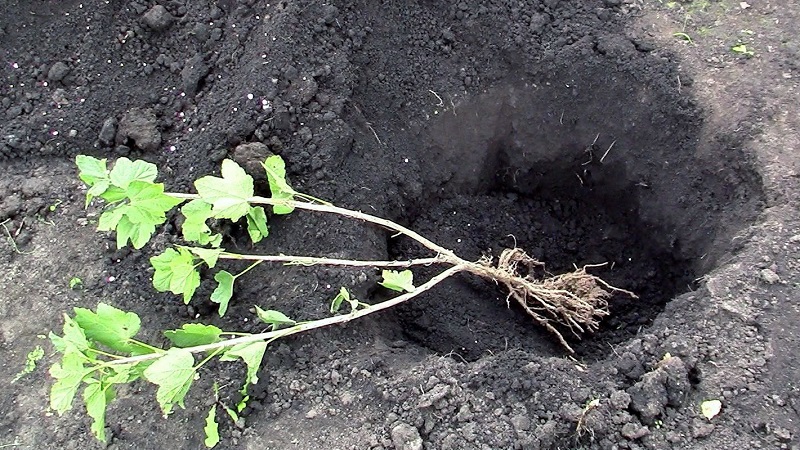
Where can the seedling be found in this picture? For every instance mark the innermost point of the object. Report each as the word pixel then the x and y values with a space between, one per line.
pixel 742 49
pixel 75 283
pixel 31 359
pixel 99 349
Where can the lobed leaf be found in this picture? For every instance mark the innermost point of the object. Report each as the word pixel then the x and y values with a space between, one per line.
pixel 208 255
pixel 224 291
pixel 173 373
pixel 229 196
pixel 278 187
pixel 212 428
pixel 69 373
pixel 398 281
pixel 109 326
pixel 96 398
pixel 193 334
pixel 74 339
pixel 125 171
pixel 275 318
pixel 194 228
pixel 176 272
pixel 252 354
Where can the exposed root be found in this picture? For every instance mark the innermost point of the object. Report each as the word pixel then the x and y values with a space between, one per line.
pixel 577 300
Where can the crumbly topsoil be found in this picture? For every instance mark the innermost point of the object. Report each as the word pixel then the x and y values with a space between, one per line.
pixel 625 132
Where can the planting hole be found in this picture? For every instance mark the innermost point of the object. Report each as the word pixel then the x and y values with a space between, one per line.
pixel 586 166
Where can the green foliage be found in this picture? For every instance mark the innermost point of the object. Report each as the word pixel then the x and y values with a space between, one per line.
pixel 194 227
pixel 138 204
pixel 274 318
pixel 31 359
pixel 280 189
pixel 173 373
pixel 224 290
pixel 228 196
pixel 193 334
pixel 212 428
pixel 344 296
pixel 252 354
pixel 109 326
pixel 398 281
pixel 176 271
pixel 75 282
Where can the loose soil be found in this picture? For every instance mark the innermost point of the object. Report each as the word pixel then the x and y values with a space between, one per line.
pixel 619 132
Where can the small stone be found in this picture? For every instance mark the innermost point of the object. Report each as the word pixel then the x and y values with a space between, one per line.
pixel 109 131
pixel 521 423
pixel 312 413
pixel 620 400
pixel 701 429
pixel 58 71
pixel 406 437
pixel 795 238
pixel 158 18
pixel 632 431
pixel 769 276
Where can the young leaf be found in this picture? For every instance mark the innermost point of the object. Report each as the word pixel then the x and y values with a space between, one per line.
pixel 125 171
pixel 343 295
pixel 224 290
pixel 208 255
pixel 228 195
pixel 68 374
pixel 280 189
pixel 74 339
pixel 194 228
pixel 257 224
pixel 173 373
pixel 275 318
pixel 30 363
pixel 94 173
pixel 212 428
pixel 251 353
pixel 96 398
pixel 193 334
pixel 176 272
pixel 109 326
pixel 398 281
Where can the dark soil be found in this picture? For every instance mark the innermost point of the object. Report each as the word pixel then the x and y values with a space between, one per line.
pixel 583 132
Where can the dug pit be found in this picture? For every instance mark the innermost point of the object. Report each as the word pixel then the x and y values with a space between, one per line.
pixel 590 165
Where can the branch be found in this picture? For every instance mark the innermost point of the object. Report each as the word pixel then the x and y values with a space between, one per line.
pixel 314 261
pixel 306 326
pixel 450 256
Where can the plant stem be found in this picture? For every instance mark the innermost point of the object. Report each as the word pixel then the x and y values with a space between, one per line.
pixel 447 254
pixel 313 261
pixel 307 326
pixel 249 268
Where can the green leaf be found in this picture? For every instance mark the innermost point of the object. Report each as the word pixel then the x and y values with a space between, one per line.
pixel 137 220
pixel 280 189
pixel 109 326
pixel 208 255
pixel 275 318
pixel 74 339
pixel 125 171
pixel 251 353
pixel 224 290
pixel 31 359
pixel 229 195
pixel 343 295
pixel 193 334
pixel 96 398
pixel 194 228
pixel 398 281
pixel 257 224
pixel 212 428
pixel 176 272
pixel 91 169
pixel 94 173
pixel 68 374
pixel 173 373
